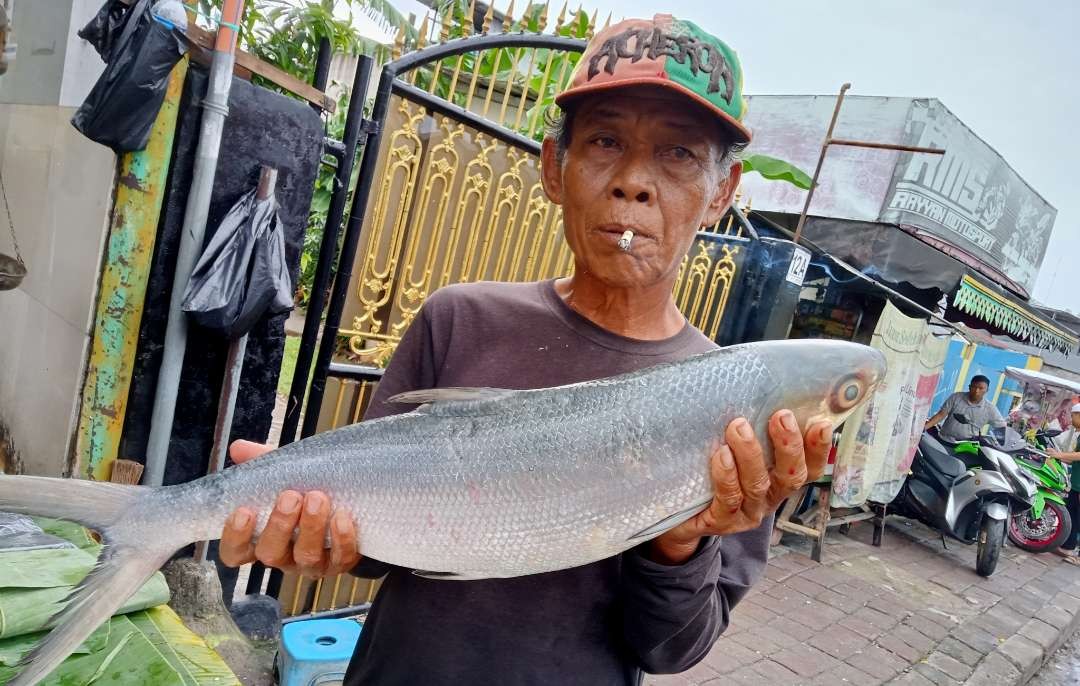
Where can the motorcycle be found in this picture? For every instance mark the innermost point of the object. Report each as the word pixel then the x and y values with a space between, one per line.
pixel 971 504
pixel 1046 524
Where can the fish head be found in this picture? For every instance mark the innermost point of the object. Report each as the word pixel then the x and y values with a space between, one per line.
pixel 822 380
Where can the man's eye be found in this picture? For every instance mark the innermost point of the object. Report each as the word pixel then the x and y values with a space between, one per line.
pixel 605 142
pixel 680 153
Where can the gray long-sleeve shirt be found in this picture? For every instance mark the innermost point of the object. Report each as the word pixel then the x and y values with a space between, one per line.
pixel 601 623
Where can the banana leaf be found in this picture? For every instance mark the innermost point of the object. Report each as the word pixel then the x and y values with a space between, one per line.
pixel 192 659
pixel 776 170
pixel 128 657
pixel 69 531
pixel 12 649
pixel 34 583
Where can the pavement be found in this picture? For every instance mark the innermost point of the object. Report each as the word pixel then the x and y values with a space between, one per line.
pixel 909 612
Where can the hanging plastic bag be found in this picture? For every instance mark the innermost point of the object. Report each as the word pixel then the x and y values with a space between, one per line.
pixel 140 45
pixel 241 274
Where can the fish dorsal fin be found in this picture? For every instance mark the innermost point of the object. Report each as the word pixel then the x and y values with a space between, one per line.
pixel 445 395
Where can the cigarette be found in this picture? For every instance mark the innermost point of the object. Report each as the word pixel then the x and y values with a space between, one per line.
pixel 624 241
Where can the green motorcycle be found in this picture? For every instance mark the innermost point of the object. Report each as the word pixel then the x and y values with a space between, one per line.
pixel 1046 525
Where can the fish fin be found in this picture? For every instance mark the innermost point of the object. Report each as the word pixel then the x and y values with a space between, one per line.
pixel 125 562
pixel 443 395
pixel 446 576
pixel 670 522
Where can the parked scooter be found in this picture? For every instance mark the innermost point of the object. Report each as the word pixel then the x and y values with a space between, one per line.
pixel 1046 524
pixel 971 505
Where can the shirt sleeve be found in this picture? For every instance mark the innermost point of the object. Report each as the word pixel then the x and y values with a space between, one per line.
pixel 673 614
pixel 412 367
pixel 995 416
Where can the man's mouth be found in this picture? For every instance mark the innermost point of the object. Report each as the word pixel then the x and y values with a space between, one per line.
pixel 616 231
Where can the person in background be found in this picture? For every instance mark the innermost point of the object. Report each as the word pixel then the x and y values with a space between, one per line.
pixel 965 414
pixel 1067 449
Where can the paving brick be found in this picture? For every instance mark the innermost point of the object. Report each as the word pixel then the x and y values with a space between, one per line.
pixel 782 601
pixel 845 604
pixel 927 627
pixel 878 619
pixel 945 619
pixel 913 637
pixel 1055 617
pixel 1039 590
pixel 984 597
pixel 816 616
pixel 934 675
pixel 889 607
pixel 861 627
pixel 1042 634
pixel 975 636
pixel 796 631
pixel 1024 602
pixel 1067 603
pixel 995 670
pixel 839 641
pixel 856 590
pixel 727 656
pixel 960 651
pixel 826 576
pixel 877 662
pixel 804 585
pixel 805 661
pixel 776 673
pixel 949 665
pixel 1002 621
pixel 744 677
pixel 752 610
pixel 1024 654
pixel 699 673
pixel 845 674
pixel 763 639
pixel 911 678
pixel 899 648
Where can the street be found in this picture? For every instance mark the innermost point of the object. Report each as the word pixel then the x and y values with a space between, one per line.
pixel 1063 668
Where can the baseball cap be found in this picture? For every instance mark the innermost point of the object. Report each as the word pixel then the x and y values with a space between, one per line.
pixel 667 52
pixel 1076 407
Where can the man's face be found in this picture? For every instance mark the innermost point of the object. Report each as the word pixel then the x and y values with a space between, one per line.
pixel 642 159
pixel 1076 419
pixel 977 390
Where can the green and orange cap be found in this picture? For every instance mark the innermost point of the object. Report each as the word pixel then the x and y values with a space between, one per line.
pixel 667 52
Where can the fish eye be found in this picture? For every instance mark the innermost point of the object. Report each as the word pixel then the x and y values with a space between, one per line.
pixel 847 393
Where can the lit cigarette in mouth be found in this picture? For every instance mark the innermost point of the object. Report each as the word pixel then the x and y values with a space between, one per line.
pixel 624 241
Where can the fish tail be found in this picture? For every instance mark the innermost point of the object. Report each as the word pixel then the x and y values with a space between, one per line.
pixel 126 560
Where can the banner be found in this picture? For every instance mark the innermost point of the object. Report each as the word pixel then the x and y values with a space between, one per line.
pixel 879 440
pixel 969 196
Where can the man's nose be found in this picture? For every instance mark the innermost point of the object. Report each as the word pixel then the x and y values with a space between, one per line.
pixel 633 180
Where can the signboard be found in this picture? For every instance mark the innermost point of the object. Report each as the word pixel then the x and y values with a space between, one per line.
pixel 800 260
pixel 969 196
pixel 879 439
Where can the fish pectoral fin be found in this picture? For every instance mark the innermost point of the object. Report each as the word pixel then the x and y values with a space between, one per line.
pixel 670 522
pixel 446 395
pixel 445 576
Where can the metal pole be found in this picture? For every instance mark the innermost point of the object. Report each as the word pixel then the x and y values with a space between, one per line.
pixel 234 367
pixel 821 160
pixel 327 250
pixel 348 252
pixel 215 109
pixel 322 68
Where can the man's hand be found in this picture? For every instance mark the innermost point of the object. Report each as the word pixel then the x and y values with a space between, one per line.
pixel 745 492
pixel 310 511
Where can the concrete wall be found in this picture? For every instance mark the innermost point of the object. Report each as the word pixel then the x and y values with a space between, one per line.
pixel 60 188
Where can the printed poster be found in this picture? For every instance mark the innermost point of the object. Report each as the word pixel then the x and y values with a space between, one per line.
pixel 879 440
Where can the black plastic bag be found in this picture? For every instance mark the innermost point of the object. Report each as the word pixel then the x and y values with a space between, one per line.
pixel 104 29
pixel 120 109
pixel 241 274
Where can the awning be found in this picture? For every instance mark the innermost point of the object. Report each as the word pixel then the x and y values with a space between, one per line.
pixel 986 303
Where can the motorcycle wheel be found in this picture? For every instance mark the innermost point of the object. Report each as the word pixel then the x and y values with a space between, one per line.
pixel 991 539
pixel 1043 534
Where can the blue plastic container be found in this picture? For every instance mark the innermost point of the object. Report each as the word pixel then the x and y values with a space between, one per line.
pixel 316 652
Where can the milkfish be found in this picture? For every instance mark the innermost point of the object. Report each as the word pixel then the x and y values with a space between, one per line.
pixel 474 483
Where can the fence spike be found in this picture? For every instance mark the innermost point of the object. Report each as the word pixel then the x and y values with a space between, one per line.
pixel 561 20
pixel 607 22
pixel 592 26
pixel 508 18
pixel 488 17
pixel 542 26
pixel 422 36
pixel 399 43
pixel 447 21
pixel 472 16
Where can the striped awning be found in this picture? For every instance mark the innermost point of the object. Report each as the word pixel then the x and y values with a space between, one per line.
pixel 987 305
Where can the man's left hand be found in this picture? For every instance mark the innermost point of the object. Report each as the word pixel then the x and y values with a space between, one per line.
pixel 745 492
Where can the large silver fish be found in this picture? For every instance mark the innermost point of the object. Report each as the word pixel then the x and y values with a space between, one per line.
pixel 476 482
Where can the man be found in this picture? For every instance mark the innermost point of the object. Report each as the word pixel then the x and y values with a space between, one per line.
pixel 965 414
pixel 646 144
pixel 1067 445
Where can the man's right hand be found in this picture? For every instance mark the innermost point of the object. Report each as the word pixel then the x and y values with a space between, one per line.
pixel 309 513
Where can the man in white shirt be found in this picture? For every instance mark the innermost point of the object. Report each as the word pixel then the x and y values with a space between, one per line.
pixel 965 414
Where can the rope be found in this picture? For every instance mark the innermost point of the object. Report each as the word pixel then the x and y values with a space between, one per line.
pixel 11 223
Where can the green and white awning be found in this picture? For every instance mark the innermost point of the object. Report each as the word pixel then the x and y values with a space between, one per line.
pixel 986 305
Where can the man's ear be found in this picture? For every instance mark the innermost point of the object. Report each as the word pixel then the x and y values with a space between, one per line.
pixel 725 192
pixel 551 171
